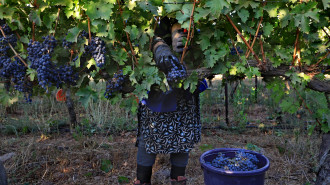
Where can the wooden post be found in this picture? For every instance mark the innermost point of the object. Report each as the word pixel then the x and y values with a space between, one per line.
pixel 256 89
pixel 226 102
pixel 70 105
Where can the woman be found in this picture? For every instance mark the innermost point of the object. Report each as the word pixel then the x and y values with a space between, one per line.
pixel 169 122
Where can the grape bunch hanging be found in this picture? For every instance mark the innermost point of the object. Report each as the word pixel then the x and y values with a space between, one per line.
pixel 115 84
pixel 13 71
pixel 233 50
pixel 49 74
pixel 96 48
pixel 242 161
pixel 177 72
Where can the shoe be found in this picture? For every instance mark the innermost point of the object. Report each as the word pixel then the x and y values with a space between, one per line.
pixel 181 180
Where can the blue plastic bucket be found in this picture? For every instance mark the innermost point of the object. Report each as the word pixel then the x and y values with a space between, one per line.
pixel 217 176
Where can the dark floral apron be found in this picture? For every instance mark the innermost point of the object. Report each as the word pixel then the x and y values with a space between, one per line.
pixel 171 132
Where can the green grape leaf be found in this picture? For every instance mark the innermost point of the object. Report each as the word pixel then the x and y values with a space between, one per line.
pixel 73 34
pixel 268 28
pixel 143 39
pixel 284 16
pixel 147 6
pixel 7 12
pixel 133 31
pixel 90 63
pixel 313 14
pixel 302 22
pixel 119 55
pixel 99 9
pixel 49 19
pixel 246 4
pixel 24 39
pixel 212 55
pixel 131 5
pixel 243 14
pixel 31 73
pixel 6 99
pixel 271 8
pixel 302 14
pixel 191 82
pixel 102 28
pixel 258 12
pixel 204 42
pixel 252 71
pixel 184 14
pixel 289 105
pixel 282 53
pixel 145 58
pixel 216 6
pixel 201 13
pixel 60 2
pixel 248 28
pixel 34 16
pixel 233 70
pixel 86 94
pixel 326 4
pixel 170 7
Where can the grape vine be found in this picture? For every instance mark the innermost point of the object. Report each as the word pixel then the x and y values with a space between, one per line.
pixel 97 39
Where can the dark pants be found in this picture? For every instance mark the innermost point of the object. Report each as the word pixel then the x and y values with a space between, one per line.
pixel 145 159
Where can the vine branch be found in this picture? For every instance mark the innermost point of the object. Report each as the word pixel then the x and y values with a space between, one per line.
pixel 189 32
pixel 57 19
pixel 296 45
pixel 262 51
pixel 89 30
pixel 247 44
pixel 255 37
pixel 33 31
pixel 12 48
pixel 325 56
pixel 128 37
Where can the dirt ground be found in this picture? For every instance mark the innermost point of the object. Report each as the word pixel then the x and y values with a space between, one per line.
pixel 64 159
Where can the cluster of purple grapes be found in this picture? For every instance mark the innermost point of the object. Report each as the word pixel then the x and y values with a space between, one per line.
pixel 115 84
pixel 16 72
pixel 242 161
pixel 13 71
pixel 66 44
pixel 176 73
pixel 84 34
pixel 9 39
pixel 67 75
pixel 97 48
pixel 48 73
pixel 233 50
pixel 40 56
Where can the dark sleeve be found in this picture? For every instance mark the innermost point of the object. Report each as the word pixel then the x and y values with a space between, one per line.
pixel 163 29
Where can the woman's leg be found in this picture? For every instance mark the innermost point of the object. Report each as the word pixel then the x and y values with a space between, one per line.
pixel 145 162
pixel 179 162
